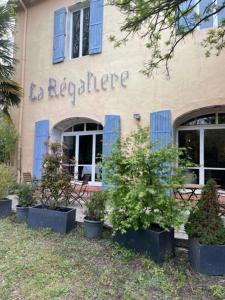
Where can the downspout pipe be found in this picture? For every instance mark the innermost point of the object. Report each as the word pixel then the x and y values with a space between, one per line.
pixel 23 86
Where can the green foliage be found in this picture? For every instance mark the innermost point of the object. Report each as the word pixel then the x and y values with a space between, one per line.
pixel 95 207
pixel 24 191
pixel 55 189
pixel 217 291
pixel 10 91
pixel 8 139
pixel 163 25
pixel 141 184
pixel 7 180
pixel 204 222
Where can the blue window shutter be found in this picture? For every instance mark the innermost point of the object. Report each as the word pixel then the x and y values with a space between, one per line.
pixel 188 21
pixel 202 7
pixel 160 129
pixel 59 35
pixel 111 133
pixel 221 14
pixel 41 135
pixel 96 26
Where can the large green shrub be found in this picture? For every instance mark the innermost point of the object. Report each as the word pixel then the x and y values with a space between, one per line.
pixel 141 184
pixel 55 189
pixel 8 138
pixel 7 180
pixel 204 222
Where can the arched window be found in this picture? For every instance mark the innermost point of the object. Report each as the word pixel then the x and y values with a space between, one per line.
pixel 83 143
pixel 204 138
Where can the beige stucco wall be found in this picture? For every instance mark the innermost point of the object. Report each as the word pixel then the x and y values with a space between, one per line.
pixel 195 81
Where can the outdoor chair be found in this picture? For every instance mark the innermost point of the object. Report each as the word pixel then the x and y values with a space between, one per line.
pixel 80 190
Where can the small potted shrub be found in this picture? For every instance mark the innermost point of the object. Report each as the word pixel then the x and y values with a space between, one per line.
pixel 24 192
pixel 206 233
pixel 7 179
pixel 95 210
pixel 144 211
pixel 54 193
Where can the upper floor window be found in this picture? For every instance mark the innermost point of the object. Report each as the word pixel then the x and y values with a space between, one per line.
pixel 80 32
pixel 191 11
pixel 85 30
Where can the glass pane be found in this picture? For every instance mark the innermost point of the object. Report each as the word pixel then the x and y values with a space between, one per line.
pixel 203 120
pixel 70 145
pixel 86 31
pixel 91 126
pixel 84 171
pixel 70 169
pixel 221 118
pixel 217 175
pixel 85 149
pixel 100 127
pixel 78 127
pixel 76 34
pixel 190 139
pixel 192 176
pixel 214 146
pixel 98 175
pixel 98 148
pixel 69 129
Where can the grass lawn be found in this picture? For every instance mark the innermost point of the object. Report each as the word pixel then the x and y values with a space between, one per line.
pixel 44 265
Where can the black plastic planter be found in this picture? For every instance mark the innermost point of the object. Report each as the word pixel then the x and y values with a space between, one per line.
pixel 207 259
pixel 158 245
pixel 61 220
pixel 22 212
pixel 92 229
pixel 5 207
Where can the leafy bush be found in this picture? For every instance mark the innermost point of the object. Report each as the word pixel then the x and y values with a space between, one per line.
pixel 95 207
pixel 55 189
pixel 24 192
pixel 7 180
pixel 204 222
pixel 141 184
pixel 8 138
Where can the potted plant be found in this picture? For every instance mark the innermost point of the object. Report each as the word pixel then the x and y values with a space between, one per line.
pixel 144 211
pixel 7 178
pixel 95 210
pixel 24 192
pixel 54 194
pixel 206 233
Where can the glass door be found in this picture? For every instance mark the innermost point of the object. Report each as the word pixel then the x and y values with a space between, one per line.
pixel 85 157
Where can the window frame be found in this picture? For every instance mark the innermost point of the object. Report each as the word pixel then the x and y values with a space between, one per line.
pixel 77 134
pixel 70 30
pixel 201 129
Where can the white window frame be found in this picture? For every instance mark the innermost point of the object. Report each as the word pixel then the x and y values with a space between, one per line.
pixel 201 129
pixel 77 134
pixel 81 31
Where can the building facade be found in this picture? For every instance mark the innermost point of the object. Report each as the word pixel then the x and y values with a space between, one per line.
pixel 80 90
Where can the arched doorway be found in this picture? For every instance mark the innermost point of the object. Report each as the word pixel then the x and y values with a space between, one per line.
pixel 83 140
pixel 202 132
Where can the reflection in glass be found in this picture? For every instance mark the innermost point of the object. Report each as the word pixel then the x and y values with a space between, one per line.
pixel 76 34
pixel 190 139
pixel 98 148
pixel 221 118
pixel 69 151
pixel 214 148
pixel 191 176
pixel 91 126
pixel 85 149
pixel 86 18
pixel 217 175
pixel 203 120
pixel 78 127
